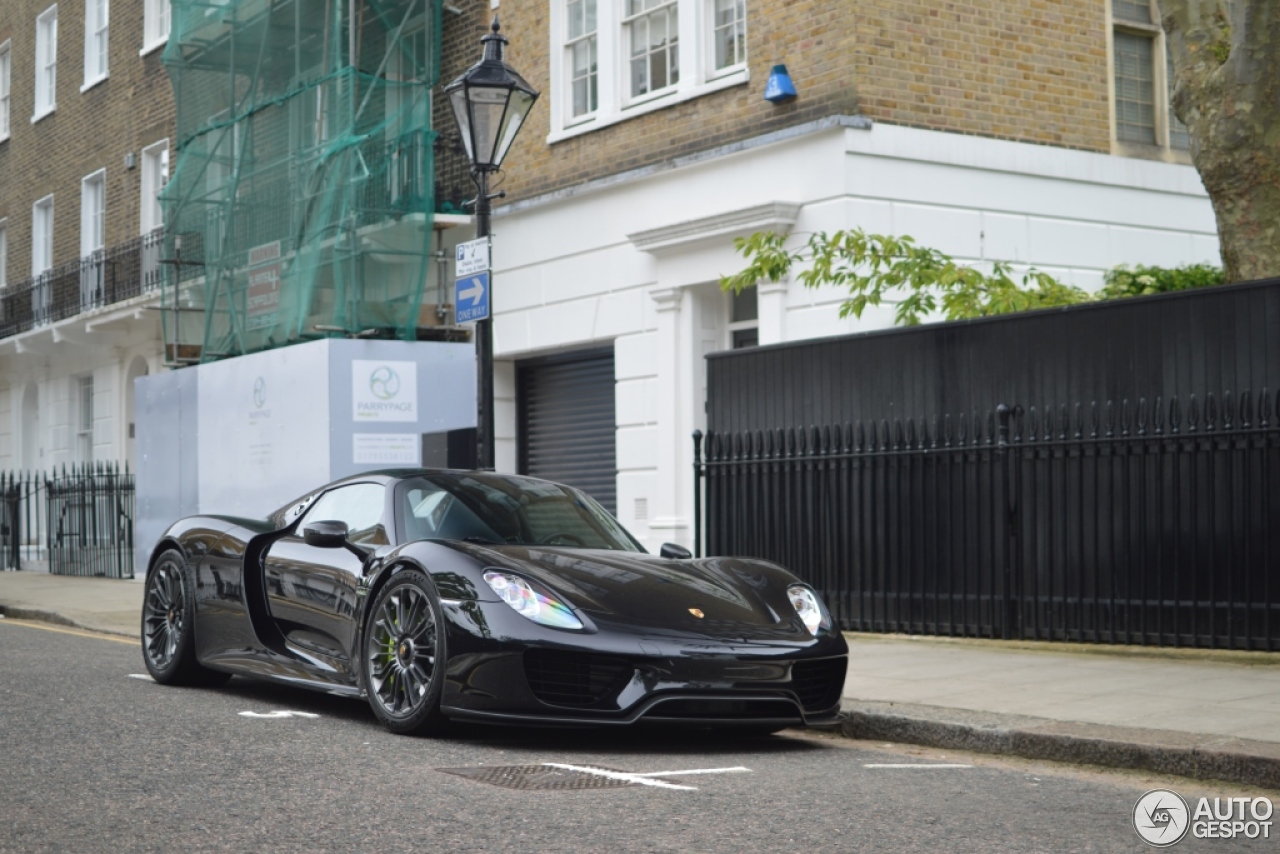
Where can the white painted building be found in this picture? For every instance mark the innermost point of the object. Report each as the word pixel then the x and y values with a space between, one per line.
pixel 632 262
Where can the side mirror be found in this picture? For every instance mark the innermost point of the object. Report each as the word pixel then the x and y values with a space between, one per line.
pixel 671 551
pixel 325 535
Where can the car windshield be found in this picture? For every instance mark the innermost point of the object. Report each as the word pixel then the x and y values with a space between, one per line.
pixel 502 510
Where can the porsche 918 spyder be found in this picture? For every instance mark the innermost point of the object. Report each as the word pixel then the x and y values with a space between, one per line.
pixel 441 595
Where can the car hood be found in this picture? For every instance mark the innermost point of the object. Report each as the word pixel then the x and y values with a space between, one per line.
pixel 732 595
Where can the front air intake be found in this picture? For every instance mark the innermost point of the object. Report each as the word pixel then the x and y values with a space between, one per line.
pixel 575 679
pixel 818 684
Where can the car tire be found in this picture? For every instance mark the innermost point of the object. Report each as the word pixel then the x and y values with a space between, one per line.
pixel 168 625
pixel 404 656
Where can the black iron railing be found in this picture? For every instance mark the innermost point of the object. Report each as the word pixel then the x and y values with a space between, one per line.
pixel 76 521
pixel 1116 523
pixel 101 278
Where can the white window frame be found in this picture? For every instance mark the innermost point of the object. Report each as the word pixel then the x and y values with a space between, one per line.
pixel 728 68
pixel 84 417
pixel 591 38
pixel 97 17
pixel 46 82
pixel 42 235
pixel 1162 147
pixel 157 19
pixel 698 76
pixel 155 174
pixel 93 210
pixel 6 81
pixel 4 252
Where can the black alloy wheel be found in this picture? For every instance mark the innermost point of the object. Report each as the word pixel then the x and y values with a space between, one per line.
pixel 405 656
pixel 168 626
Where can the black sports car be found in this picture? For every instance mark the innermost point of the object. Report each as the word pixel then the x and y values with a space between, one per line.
pixel 472 595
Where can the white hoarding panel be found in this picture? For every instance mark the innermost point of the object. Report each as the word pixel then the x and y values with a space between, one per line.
pixel 264 429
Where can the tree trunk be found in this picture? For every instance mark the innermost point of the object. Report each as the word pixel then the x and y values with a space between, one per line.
pixel 1226 58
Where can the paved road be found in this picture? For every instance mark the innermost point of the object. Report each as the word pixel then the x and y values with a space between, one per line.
pixel 94 759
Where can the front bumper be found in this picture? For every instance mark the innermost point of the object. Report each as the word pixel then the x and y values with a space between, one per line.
pixel 504 668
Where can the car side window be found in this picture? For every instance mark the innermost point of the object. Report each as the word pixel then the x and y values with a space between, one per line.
pixel 360 505
pixel 431 512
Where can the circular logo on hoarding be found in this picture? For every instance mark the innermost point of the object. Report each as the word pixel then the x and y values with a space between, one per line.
pixel 1161 818
pixel 384 383
pixel 259 392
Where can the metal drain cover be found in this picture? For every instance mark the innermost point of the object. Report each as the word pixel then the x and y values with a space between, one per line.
pixel 542 777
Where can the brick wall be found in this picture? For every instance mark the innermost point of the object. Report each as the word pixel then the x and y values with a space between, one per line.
pixel 88 131
pixel 1031 70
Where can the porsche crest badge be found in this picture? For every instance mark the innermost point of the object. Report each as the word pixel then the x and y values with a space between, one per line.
pixel 697 612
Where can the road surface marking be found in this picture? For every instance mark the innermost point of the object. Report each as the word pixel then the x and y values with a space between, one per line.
pixel 278 714
pixel 617 775
pixel 734 770
pixel 63 631
pixel 143 676
pixel 913 765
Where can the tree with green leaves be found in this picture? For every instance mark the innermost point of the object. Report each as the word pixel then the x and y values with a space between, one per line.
pixel 877 268
pixel 1226 60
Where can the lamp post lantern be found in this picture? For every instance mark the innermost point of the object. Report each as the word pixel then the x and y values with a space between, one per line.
pixel 490 102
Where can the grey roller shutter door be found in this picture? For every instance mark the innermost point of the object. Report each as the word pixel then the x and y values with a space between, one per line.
pixel 566 422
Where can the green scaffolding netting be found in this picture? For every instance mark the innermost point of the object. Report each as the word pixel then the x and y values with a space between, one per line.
pixel 300 204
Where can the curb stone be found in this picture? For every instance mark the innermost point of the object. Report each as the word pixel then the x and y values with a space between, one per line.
pixel 36 615
pixel 1199 757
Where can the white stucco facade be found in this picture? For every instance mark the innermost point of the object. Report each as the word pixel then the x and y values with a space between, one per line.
pixel 634 260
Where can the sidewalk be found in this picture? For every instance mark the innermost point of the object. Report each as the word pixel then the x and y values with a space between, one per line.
pixel 1195 713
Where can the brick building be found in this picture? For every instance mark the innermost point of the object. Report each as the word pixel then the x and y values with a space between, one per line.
pixel 1022 130
pixel 86 116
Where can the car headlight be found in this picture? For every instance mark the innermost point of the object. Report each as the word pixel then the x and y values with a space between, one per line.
pixel 528 601
pixel 811 612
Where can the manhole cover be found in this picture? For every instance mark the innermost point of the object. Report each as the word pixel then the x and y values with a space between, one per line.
pixel 540 777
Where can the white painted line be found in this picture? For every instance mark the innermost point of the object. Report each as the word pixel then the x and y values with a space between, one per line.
pixel 912 765
pixel 734 770
pixel 618 775
pixel 145 677
pixel 278 714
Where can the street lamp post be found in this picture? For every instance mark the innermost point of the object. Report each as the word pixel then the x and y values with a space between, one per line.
pixel 490 102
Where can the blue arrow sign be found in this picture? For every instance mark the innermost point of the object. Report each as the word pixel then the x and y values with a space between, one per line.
pixel 471 298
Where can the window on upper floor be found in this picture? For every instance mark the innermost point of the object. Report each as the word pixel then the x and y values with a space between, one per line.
pixel 96 15
pixel 155 25
pixel 46 63
pixel 614 59
pixel 4 90
pixel 42 235
pixel 4 252
pixel 93 196
pixel 155 174
pixel 1143 84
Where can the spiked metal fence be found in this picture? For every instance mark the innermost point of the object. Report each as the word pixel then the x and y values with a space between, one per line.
pixel 75 521
pixel 1151 523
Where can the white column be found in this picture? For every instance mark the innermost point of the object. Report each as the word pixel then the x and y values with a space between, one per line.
pixel 668 523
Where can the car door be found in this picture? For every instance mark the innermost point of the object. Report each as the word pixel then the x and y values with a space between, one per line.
pixel 312 591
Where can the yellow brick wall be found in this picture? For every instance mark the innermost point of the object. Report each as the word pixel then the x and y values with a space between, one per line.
pixel 1030 70
pixel 88 131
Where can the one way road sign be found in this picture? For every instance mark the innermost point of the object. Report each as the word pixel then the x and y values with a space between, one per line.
pixel 471 297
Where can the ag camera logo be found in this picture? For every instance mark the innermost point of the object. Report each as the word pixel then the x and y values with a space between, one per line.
pixel 1161 818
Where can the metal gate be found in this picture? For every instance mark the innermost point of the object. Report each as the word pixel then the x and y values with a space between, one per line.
pixel 76 521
